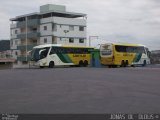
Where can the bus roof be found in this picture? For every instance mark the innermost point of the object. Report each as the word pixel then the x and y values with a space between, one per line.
pixel 125 44
pixel 60 45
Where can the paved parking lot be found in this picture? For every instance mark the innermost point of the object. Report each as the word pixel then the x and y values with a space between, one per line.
pixel 80 90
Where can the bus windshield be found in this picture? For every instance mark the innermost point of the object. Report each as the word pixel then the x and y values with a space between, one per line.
pixel 106 49
pixel 39 53
pixel 130 49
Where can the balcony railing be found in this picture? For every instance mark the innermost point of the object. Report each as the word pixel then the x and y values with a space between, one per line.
pixel 30 23
pixel 24 47
pixel 13 25
pixel 23 58
pixel 29 35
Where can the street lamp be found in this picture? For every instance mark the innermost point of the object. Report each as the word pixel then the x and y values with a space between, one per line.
pixel 90 39
pixel 66 31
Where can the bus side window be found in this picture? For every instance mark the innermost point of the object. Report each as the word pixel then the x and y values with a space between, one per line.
pixel 65 50
pixel 68 50
pixel 52 51
pixel 71 50
pixel 79 51
pixel 43 54
pixel 84 51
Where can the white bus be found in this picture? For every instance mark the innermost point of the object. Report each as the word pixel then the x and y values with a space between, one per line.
pixel 50 55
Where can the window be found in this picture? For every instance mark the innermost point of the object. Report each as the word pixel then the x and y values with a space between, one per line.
pixel 120 48
pixel 106 49
pixel 47 15
pixel 45 40
pixel 81 40
pixel 45 27
pixel 52 51
pixel 81 28
pixel 15 61
pixel 63 50
pixel 11 42
pixel 54 27
pixel 44 52
pixel 130 49
pixel 71 40
pixel 16 53
pixel 34 29
pixel 71 28
pixel 16 31
pixel 16 42
pixel 60 39
pixel 34 41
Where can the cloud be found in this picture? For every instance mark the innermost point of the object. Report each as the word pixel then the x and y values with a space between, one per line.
pixel 112 20
pixel 4 26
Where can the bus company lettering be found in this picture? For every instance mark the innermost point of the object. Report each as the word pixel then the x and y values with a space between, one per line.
pixel 81 55
pixel 127 54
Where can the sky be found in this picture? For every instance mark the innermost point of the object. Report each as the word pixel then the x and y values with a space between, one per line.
pixel 122 21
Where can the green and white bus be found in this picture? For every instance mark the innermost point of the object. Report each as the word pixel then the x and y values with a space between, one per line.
pixel 124 54
pixel 50 55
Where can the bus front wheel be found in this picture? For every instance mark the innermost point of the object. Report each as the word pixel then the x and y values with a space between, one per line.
pixel 123 63
pixel 41 66
pixel 51 64
pixel 144 63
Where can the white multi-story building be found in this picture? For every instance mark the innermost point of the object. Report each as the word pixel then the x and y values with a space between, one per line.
pixel 52 25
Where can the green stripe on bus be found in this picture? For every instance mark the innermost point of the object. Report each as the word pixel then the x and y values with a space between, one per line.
pixel 67 58
pixel 61 57
pixel 137 57
pixel 64 58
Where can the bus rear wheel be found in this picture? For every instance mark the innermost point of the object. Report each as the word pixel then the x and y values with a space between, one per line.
pixel 126 63
pixel 85 63
pixel 51 64
pixel 81 64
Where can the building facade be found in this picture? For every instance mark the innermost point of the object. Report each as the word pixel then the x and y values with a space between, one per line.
pixel 52 25
pixel 155 57
pixel 5 52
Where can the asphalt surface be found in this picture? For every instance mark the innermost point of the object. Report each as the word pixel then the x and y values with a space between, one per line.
pixel 80 90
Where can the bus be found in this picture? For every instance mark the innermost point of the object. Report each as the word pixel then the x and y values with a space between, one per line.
pixel 124 55
pixel 50 55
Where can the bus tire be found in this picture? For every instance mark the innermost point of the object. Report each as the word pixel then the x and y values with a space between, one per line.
pixel 126 63
pixel 81 64
pixel 114 66
pixel 85 63
pixel 41 66
pixel 123 63
pixel 51 64
pixel 109 66
pixel 144 63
